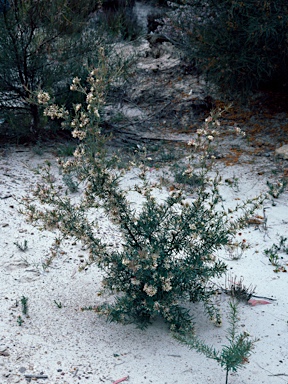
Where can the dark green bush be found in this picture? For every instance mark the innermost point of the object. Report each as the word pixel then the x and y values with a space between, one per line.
pixel 118 19
pixel 239 45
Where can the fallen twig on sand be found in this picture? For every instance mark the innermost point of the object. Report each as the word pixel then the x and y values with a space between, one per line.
pixel 120 380
pixel 35 377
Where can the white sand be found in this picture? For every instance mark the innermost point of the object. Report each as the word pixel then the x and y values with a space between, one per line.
pixel 67 345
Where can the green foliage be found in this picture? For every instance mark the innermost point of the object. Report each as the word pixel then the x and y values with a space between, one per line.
pixel 181 177
pixel 238 290
pixel 66 149
pixel 165 257
pixel 22 247
pixel 70 182
pixel 238 44
pixel 273 254
pixel 58 304
pixel 233 355
pixel 24 305
pixel 120 23
pixel 276 189
pixel 20 321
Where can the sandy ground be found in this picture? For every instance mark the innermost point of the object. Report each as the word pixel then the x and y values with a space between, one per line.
pixel 67 345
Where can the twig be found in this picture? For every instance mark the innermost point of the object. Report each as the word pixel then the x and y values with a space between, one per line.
pixel 265 298
pixel 120 380
pixel 5 197
pixel 271 373
pixel 35 376
pixel 149 117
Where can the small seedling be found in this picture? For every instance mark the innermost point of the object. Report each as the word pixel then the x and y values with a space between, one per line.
pixel 236 249
pixel 24 305
pixel 276 189
pixel 22 247
pixel 20 321
pixel 58 303
pixel 233 182
pixel 233 355
pixel 273 254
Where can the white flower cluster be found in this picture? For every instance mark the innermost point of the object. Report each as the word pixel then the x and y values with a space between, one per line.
pixel 43 97
pixel 189 171
pixel 192 143
pixel 78 107
pixel 67 165
pixel 176 193
pixel 239 132
pixel 90 98
pixel 157 306
pixel 79 152
pixel 213 121
pixel 56 112
pixel 166 284
pixel 79 134
pixel 150 290
pixel 75 84
pixel 84 120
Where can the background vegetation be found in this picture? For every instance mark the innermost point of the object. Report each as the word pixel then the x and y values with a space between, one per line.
pixel 240 46
pixel 44 44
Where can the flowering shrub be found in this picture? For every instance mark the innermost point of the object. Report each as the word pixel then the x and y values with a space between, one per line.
pixel 167 257
pixel 43 43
